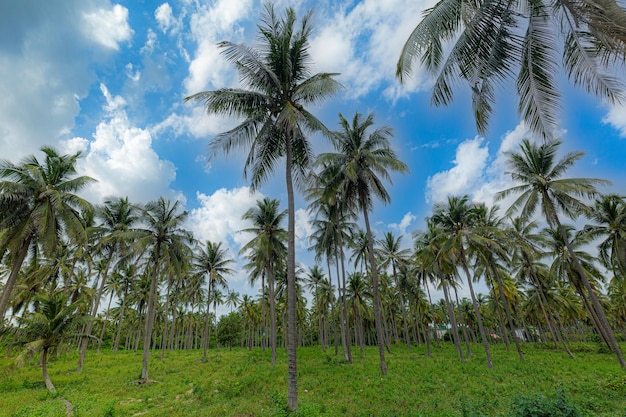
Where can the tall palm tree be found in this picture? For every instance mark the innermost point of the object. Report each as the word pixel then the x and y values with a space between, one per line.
pixel 391 254
pixel 163 239
pixel 268 244
pixel 356 172
pixel 232 299
pixel 488 49
pixel 313 279
pixel 458 218
pixel 212 261
pixel 540 182
pixel 279 88
pixel 39 204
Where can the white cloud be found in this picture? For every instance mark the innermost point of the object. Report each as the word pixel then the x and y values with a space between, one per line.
pixel 219 216
pixel 470 161
pixel 401 228
pixel 475 173
pixel 364 44
pixel 165 18
pixel 304 228
pixel 616 117
pixel 108 27
pixel 121 158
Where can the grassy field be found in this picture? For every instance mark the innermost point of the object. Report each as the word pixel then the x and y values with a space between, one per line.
pixel 242 383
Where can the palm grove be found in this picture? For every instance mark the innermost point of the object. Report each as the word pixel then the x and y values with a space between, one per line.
pixel 65 262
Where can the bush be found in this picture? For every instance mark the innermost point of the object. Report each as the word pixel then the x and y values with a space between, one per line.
pixel 541 406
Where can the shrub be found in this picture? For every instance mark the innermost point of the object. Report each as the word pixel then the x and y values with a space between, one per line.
pixel 541 406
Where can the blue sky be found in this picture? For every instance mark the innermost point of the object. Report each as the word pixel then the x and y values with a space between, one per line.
pixel 109 79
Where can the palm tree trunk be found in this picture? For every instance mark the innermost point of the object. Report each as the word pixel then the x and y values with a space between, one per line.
pixel 342 315
pixel 94 312
pixel 44 368
pixel 464 323
pixel 15 270
pixel 507 309
pixel 407 336
pixel 205 342
pixel 455 330
pixel 292 333
pixel 380 337
pixel 147 334
pixel 272 299
pixel 104 325
pixel 479 319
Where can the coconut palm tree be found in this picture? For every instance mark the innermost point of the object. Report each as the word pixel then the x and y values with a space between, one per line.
pixel 268 247
pixel 54 320
pixel 232 299
pixel 609 216
pixel 488 48
pixel 213 262
pixel 458 219
pixel 391 254
pixel 117 217
pixel 278 88
pixel 39 204
pixel 539 176
pixel 164 240
pixel 356 172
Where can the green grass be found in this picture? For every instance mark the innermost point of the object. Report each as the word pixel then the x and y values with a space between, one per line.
pixel 242 383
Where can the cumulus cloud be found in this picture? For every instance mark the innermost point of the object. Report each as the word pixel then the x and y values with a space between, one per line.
pixel 165 19
pixel 470 161
pixel 475 173
pixel 616 117
pixel 218 218
pixel 108 27
pixel 122 159
pixel 364 44
pixel 401 228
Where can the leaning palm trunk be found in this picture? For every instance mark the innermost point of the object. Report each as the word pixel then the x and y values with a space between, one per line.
pixel 604 326
pixel 380 338
pixel 8 287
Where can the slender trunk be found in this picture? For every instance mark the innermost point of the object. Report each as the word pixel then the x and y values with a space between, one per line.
pixel 272 299
pixel 455 330
pixel 44 368
pixel 348 346
pixel 464 323
pixel 15 270
pixel 380 337
pixel 104 324
pixel 479 319
pixel 292 333
pixel 407 336
pixel 507 309
pixel 165 326
pixel 207 329
pixel 342 315
pixel 147 335
pixel 94 312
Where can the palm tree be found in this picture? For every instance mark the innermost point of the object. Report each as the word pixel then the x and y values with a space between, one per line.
pixel 164 240
pixel 213 262
pixel 313 279
pixel 609 216
pixel 355 172
pixel 540 181
pixel 43 330
pixel 232 299
pixel 38 204
pixel 488 49
pixel 459 219
pixel 280 87
pixel 117 217
pixel 391 255
pixel 269 248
